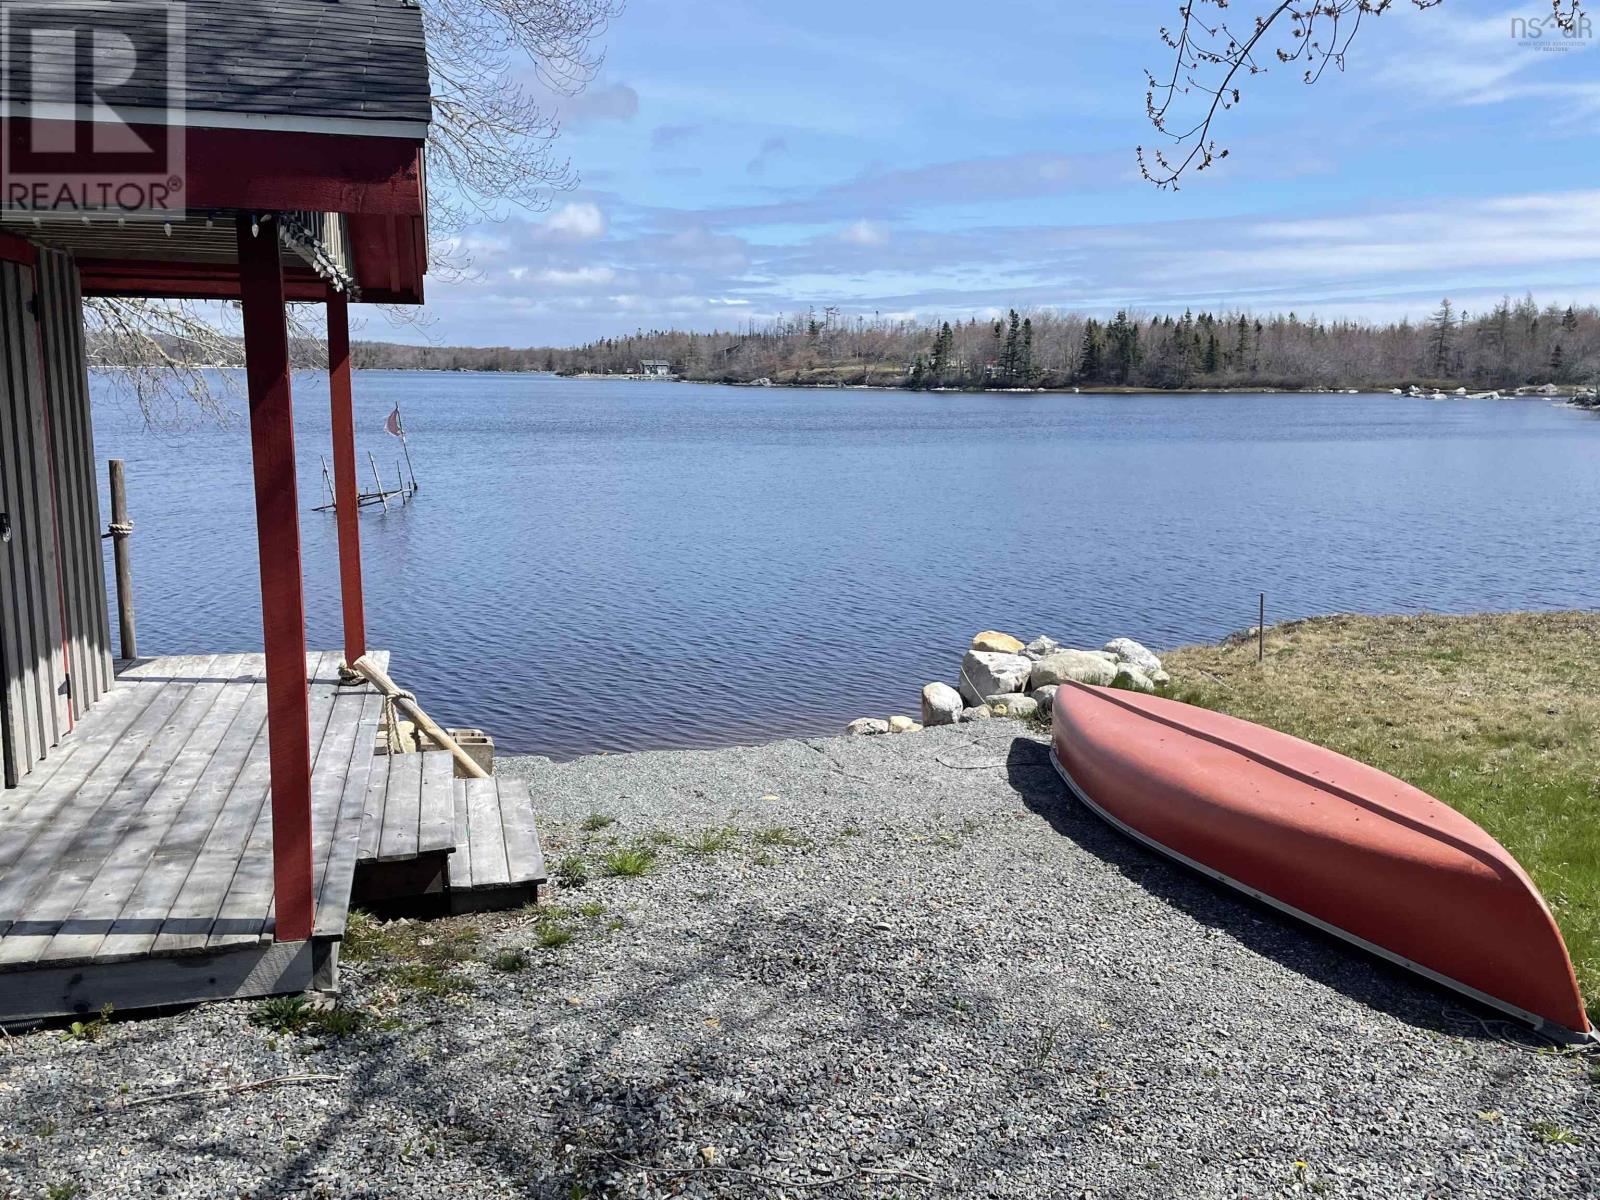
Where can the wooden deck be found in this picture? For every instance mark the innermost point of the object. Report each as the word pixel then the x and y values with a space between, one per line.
pixel 136 861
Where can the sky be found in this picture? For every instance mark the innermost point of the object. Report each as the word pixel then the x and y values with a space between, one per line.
pixel 743 160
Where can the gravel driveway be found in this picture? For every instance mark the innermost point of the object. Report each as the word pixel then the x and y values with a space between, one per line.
pixel 897 966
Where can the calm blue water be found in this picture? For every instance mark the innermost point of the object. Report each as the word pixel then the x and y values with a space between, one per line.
pixel 610 566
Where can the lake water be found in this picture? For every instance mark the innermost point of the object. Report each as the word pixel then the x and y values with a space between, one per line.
pixel 614 566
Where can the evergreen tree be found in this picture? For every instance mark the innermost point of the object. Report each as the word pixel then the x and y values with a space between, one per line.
pixel 1122 348
pixel 1091 359
pixel 1025 354
pixel 1443 336
pixel 1557 363
pixel 1569 321
pixel 1213 359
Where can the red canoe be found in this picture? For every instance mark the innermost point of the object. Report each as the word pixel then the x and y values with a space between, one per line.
pixel 1325 838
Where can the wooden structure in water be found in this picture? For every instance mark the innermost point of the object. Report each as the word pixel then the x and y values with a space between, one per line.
pixel 178 829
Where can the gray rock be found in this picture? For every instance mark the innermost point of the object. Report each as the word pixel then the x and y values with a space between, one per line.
pixel 1078 666
pixel 986 674
pixel 1014 705
pixel 866 727
pixel 1130 678
pixel 978 712
pixel 941 705
pixel 1045 697
pixel 1041 647
pixel 1127 650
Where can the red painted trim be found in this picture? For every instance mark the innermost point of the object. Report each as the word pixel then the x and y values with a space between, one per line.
pixel 283 615
pixel 18 250
pixel 346 493
pixel 265 169
pixel 180 280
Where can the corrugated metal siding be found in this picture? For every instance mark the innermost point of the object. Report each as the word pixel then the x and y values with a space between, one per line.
pixel 35 681
pixel 88 626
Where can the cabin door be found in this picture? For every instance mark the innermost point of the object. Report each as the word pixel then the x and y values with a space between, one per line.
pixel 35 711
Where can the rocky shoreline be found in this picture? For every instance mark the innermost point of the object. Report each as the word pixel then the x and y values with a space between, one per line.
pixel 1001 677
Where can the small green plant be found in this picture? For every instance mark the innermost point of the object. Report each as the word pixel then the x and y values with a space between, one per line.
pixel 712 841
pixel 551 935
pixel 591 909
pixel 295 1015
pixel 88 1031
pixel 947 839
pixel 1038 721
pixel 629 862
pixel 64 1190
pixel 573 871
pixel 1045 1048
pixel 427 979
pixel 614 925
pixel 960 1004
pixel 1552 1134
pixel 781 835
pixel 512 962
pixel 595 822
pixel 662 837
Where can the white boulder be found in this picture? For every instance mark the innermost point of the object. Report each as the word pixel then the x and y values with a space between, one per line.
pixel 1131 678
pixel 1129 651
pixel 941 705
pixel 866 727
pixel 1041 647
pixel 978 712
pixel 1045 697
pixel 1015 706
pixel 988 674
pixel 1077 666
pixel 903 725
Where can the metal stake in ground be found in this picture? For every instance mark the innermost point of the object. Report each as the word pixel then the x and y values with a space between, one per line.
pixel 1261 632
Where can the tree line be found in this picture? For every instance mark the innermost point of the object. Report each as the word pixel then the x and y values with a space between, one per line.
pixel 1513 344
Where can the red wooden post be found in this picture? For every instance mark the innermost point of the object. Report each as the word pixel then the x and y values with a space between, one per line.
pixel 283 617
pixel 345 493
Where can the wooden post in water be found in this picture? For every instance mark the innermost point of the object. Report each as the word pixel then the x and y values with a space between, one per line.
pixel 377 482
pixel 121 530
pixel 1261 632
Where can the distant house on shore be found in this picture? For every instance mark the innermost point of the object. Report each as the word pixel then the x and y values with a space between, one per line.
pixel 658 368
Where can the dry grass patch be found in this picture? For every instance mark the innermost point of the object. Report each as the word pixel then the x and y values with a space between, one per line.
pixel 1497 715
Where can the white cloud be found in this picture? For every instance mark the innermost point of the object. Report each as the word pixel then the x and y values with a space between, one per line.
pixel 577 277
pixel 579 222
pixel 865 233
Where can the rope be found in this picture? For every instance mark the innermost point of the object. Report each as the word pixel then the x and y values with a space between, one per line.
pixel 391 721
pixel 120 528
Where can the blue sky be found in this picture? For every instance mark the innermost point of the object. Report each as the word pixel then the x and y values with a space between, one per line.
pixel 742 160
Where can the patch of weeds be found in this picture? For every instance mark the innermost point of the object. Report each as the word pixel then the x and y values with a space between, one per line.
pixel 781 835
pixel 1038 721
pixel 662 837
pixel 512 962
pixel 712 841
pixel 1552 1134
pixel 88 1031
pixel 1045 1048
pixel 851 831
pixel 294 1016
pixel 595 822
pixel 551 935
pixel 573 871
pixel 960 1004
pixel 947 839
pixel 63 1190
pixel 426 979
pixel 629 862
pixel 614 925
pixel 591 909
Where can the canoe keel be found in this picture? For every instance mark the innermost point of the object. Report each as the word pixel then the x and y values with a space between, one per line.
pixel 1335 843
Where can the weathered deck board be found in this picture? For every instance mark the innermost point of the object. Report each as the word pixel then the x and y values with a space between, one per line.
pixel 497 845
pixel 402 810
pixel 436 821
pixel 338 875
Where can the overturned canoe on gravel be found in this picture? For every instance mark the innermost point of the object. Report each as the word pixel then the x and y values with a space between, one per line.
pixel 1327 839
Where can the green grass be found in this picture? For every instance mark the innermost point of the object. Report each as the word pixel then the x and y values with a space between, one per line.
pixel 780 835
pixel 551 935
pixel 591 908
pixel 712 841
pixel 595 822
pixel 629 862
pixel 573 870
pixel 294 1015
pixel 512 962
pixel 415 957
pixel 1497 715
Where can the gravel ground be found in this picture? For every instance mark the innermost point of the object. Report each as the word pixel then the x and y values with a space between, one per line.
pixel 915 969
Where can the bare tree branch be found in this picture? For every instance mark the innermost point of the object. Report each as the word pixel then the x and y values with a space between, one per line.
pixel 1209 61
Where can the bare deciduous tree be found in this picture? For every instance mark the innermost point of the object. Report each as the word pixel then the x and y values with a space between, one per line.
pixel 1211 59
pixel 491 148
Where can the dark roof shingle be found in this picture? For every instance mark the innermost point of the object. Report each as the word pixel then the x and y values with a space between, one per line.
pixel 351 59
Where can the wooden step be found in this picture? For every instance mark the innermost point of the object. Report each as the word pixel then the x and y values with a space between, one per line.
pixel 498 860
